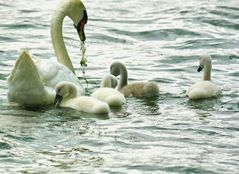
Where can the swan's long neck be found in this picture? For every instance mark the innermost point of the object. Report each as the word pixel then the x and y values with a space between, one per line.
pixel 58 41
pixel 123 76
pixel 207 70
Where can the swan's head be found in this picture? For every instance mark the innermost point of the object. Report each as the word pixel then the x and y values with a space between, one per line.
pixel 80 27
pixel 203 60
pixel 76 10
pixel 115 68
pixel 63 89
pixel 114 82
pixel 109 81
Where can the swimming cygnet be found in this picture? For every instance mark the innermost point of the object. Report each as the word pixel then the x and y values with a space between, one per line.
pixel 205 88
pixel 137 89
pixel 66 96
pixel 108 94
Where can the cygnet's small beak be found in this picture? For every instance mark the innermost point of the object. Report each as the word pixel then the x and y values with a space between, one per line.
pixel 81 26
pixel 199 68
pixel 58 100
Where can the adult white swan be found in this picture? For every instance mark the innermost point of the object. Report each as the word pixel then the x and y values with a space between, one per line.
pixel 29 79
pixel 205 88
pixel 108 94
pixel 136 89
pixel 32 83
pixel 66 96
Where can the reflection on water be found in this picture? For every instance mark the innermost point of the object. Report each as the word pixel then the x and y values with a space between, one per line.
pixel 159 40
pixel 207 105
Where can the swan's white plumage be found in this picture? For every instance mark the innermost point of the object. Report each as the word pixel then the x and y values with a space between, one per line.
pixel 108 94
pixel 52 72
pixel 25 85
pixel 76 11
pixel 203 89
pixel 206 88
pixel 32 82
pixel 88 104
pixel 67 91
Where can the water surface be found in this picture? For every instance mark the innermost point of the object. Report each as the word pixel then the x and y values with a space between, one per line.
pixel 158 40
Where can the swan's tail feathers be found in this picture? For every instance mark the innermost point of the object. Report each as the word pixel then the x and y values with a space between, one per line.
pixel 151 89
pixel 24 51
pixel 101 108
pixel 24 83
pixel 23 63
pixel 197 93
pixel 25 60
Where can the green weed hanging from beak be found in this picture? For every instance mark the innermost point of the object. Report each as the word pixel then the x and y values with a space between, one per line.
pixel 83 62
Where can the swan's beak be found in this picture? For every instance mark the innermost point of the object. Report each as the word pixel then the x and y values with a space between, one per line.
pixel 81 26
pixel 199 68
pixel 58 100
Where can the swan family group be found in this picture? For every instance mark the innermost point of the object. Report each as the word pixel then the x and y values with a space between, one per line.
pixel 38 82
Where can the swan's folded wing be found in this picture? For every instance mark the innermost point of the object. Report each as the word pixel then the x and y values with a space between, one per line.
pixel 25 86
pixel 53 73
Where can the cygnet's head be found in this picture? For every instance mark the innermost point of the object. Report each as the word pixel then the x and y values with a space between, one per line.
pixel 62 89
pixel 114 82
pixel 203 59
pixel 115 68
pixel 109 81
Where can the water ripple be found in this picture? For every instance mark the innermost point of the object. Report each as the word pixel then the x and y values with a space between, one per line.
pixel 157 40
pixel 158 34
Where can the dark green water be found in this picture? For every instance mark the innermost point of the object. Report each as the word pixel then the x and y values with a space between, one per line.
pixel 158 40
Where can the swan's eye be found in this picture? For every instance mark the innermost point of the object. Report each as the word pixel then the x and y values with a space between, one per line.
pixel 59 90
pixel 85 17
pixel 80 25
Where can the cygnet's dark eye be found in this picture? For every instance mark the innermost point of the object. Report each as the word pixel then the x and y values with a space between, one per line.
pixel 59 90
